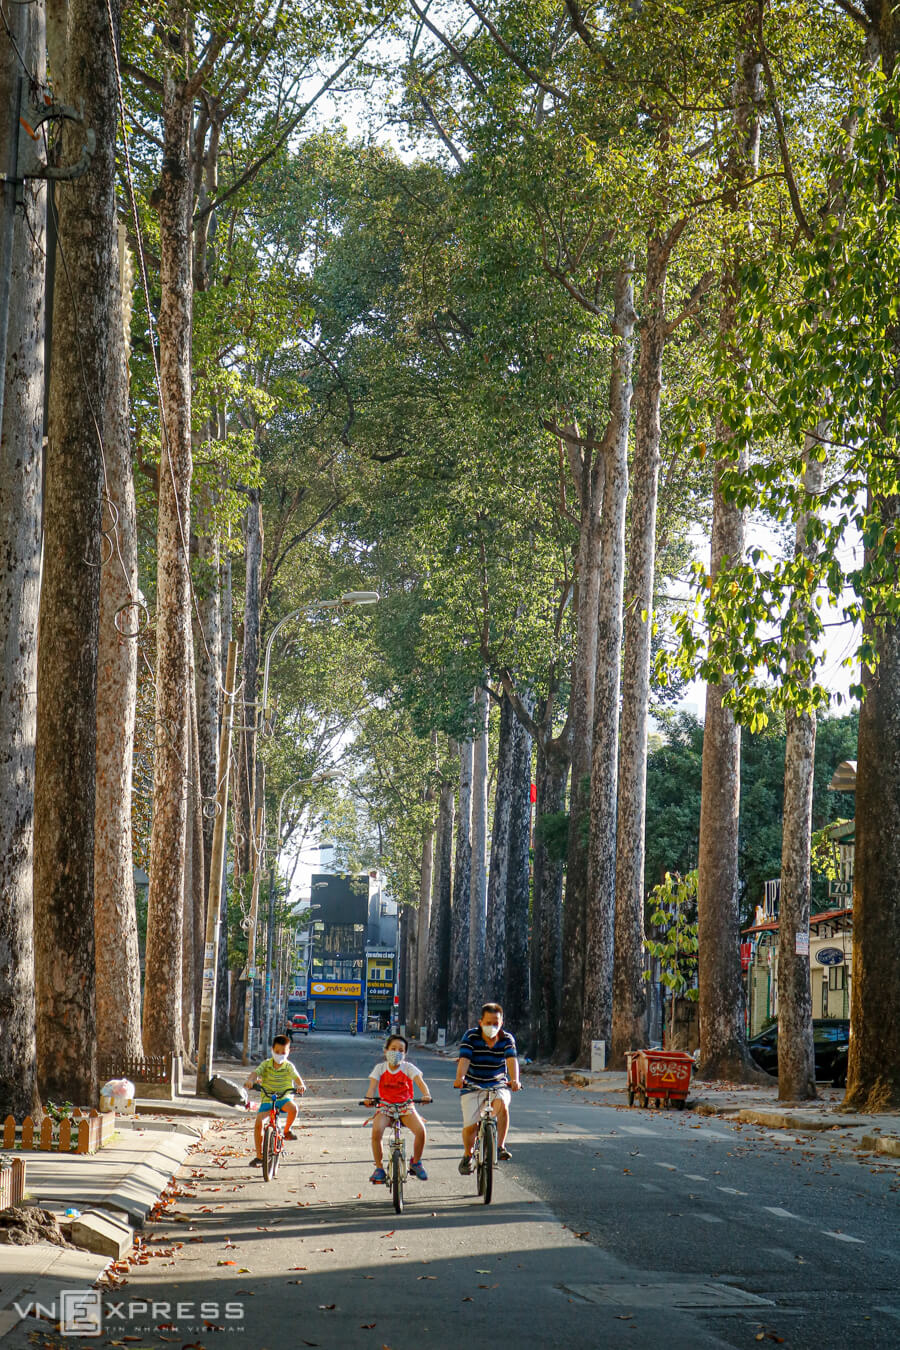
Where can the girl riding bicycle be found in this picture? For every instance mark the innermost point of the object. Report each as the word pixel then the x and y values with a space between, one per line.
pixel 393 1080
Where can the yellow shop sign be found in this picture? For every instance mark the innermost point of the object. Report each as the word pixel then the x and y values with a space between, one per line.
pixel 318 990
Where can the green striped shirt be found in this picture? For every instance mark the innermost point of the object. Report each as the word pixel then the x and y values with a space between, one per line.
pixel 277 1078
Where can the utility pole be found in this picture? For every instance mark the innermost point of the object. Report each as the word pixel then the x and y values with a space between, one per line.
pixel 216 875
pixel 251 939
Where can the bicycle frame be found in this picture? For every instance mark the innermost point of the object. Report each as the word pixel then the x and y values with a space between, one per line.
pixel 272 1130
pixel 396 1166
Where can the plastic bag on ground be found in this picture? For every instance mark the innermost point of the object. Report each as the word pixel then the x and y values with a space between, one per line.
pixel 226 1090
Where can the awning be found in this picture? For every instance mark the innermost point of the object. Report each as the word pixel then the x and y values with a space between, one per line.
pixel 844 779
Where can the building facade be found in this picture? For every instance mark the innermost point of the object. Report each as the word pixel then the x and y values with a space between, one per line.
pixel 352 963
pixel 830 935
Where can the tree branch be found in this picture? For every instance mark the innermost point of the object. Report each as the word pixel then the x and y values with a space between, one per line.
pixel 290 127
pixel 433 119
pixel 453 50
pixel 517 61
pixel 793 192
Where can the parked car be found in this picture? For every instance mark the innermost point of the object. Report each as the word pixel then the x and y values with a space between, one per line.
pixel 831 1043
pixel 298 1025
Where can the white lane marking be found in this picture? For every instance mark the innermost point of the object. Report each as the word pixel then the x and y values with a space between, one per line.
pixel 779 1212
pixel 708 1218
pixel 731 1190
pixel 692 1176
pixel 717 1134
pixel 642 1130
pixel 670 1167
pixel 842 1237
pixel 648 1186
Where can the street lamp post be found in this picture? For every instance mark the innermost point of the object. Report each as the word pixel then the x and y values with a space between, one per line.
pixel 348 599
pixel 325 776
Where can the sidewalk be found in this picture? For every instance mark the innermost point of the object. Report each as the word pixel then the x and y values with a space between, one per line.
pixel 114 1191
pixel 755 1105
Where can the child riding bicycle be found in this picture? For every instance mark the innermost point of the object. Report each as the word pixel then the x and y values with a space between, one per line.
pixel 393 1080
pixel 488 1058
pixel 278 1078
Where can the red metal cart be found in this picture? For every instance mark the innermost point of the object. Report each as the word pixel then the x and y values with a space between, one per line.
pixel 663 1075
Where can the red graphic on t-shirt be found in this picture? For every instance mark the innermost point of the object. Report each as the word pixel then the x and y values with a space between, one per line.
pixel 395 1085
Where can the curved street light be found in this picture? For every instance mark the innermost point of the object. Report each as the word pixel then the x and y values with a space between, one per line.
pixel 348 599
pixel 326 776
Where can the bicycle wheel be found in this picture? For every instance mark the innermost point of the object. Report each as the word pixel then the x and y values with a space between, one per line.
pixel 397 1179
pixel 277 1150
pixel 488 1152
pixel 269 1157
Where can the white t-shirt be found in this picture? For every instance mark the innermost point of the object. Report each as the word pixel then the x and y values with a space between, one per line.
pixel 395 1085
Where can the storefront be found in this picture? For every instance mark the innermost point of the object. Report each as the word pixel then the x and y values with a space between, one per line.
pixel 335 1007
pixel 380 979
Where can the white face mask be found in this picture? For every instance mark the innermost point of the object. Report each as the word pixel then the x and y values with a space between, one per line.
pixel 393 1057
pixel 491 1030
pixel 279 1059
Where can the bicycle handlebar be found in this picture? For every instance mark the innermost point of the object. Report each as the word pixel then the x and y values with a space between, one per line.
pixel 472 1088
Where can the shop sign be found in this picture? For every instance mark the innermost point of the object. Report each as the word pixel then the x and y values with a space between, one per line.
pixel 320 990
pixel 830 956
pixel 379 987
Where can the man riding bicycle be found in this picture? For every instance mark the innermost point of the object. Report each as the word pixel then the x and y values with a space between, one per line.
pixel 488 1058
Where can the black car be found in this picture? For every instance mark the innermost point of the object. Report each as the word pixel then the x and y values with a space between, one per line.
pixel 831 1042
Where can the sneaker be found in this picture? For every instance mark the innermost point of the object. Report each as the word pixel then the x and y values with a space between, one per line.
pixel 256 1162
pixel 466 1165
pixel 378 1177
pixel 417 1170
pixel 289 1134
pixel 503 1154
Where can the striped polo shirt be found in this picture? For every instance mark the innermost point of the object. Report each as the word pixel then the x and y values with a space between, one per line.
pixel 487 1063
pixel 277 1079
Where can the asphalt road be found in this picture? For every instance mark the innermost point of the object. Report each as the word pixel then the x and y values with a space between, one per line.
pixel 609 1228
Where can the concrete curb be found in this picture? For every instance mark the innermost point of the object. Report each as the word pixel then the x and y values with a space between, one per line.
pixel 888 1144
pixel 140 1190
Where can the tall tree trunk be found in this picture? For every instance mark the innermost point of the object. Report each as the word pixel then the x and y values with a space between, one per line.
pixel 20 571
pixel 401 1017
pixel 423 923
pixel 208 647
pixel 424 917
pixel 223 1037
pixel 163 984
pixel 194 893
pixel 498 875
pixel 118 972
pixel 518 879
pixel 597 1020
pixel 412 971
pixel 462 884
pixel 192 845
pixel 546 923
pixel 796 1058
pixel 437 998
pixel 245 793
pixel 589 482
pixel 873 1082
pixel 629 1019
pixel 723 1051
pixel 65 773
pixel 478 882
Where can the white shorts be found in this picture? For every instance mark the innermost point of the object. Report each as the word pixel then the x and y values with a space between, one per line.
pixel 472 1103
